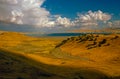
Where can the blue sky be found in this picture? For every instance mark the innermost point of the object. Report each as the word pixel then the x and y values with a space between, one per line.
pixel 69 8
pixel 52 15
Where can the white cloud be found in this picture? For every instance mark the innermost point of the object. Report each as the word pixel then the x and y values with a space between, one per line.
pixel 24 12
pixel 62 21
pixel 89 24
pixel 9 1
pixel 115 24
pixel 110 24
pixel 30 12
pixel 92 18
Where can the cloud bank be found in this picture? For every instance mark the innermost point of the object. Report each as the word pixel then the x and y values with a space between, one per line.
pixel 30 12
pixel 115 24
pixel 23 12
pixel 92 18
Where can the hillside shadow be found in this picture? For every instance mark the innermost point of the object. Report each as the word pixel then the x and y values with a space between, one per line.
pixel 13 66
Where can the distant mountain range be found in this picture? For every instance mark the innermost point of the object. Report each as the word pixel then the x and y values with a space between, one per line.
pixel 111 30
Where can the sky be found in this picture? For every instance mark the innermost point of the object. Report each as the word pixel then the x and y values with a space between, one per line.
pixel 52 15
pixel 69 8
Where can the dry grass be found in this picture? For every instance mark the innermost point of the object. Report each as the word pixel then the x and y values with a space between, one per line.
pixel 87 54
pixel 19 42
pixel 102 51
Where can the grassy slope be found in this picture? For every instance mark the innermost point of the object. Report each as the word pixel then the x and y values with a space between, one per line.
pixel 99 54
pixel 34 50
pixel 16 66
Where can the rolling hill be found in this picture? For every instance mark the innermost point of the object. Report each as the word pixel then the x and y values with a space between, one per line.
pixel 97 50
pixel 89 56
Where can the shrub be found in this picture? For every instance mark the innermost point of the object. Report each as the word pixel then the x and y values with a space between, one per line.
pixel 19 78
pixel 103 41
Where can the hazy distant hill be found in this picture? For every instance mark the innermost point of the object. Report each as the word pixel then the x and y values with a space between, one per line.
pixel 104 30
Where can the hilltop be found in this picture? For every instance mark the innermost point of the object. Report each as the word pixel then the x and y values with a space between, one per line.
pixel 12 38
pixel 93 47
pixel 98 49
